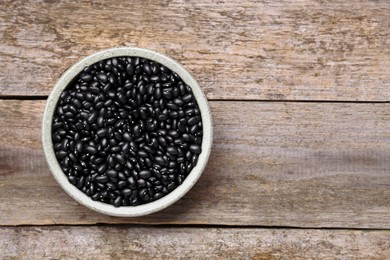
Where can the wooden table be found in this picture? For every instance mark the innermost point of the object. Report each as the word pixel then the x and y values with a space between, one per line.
pixel 299 92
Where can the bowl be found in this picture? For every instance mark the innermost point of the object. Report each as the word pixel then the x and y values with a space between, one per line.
pixel 126 211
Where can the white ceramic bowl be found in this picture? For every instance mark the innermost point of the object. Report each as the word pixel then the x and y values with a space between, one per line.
pixel 126 211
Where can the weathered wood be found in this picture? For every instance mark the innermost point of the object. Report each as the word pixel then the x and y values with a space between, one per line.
pixel 190 243
pixel 277 164
pixel 278 50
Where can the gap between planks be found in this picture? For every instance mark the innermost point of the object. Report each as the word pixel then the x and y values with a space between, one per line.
pixel 231 100
pixel 199 226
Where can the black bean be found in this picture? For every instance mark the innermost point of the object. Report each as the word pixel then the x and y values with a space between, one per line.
pixel 92 118
pixel 99 105
pixel 173 133
pixel 193 120
pixel 143 114
pixel 160 160
pixel 111 186
pixel 195 148
pixel 188 155
pixel 142 192
pixel 158 195
pixel 162 117
pixel 172 164
pixel 175 92
pixel 141 183
pixel 102 179
pixel 149 149
pixel 125 147
pixel 171 186
pixel 72 109
pixel 172 150
pixel 77 103
pixel 147 69
pixel 133 146
pixel 118 136
pixel 126 192
pixel 194 129
pixel 88 96
pixel 94 90
pixel 190 112
pixel 80 182
pixel 69 114
pixel 112 173
pixel 121 184
pixel 103 194
pixel 102 168
pixel 132 182
pixel 61 154
pixel 143 154
pixel 180 160
pixel 182 125
pixel 86 77
pixel 173 114
pixel 137 131
pixel 100 121
pixel 157 93
pixel 187 137
pixel 117 201
pixel 86 105
pixel 97 160
pixel 101 132
pixel 91 149
pixel 172 106
pixel 119 158
pixel 72 156
pixel 167 93
pixel 122 98
pixel 58 147
pixel 130 69
pixel 145 174
pixel 79 96
pixel 169 139
pixel 162 141
pixel 180 113
pixel 102 77
pixel 178 102
pixel 163 77
pixel 187 98
pixel 127 137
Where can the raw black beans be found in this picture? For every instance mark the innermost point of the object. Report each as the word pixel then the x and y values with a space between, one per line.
pixel 127 131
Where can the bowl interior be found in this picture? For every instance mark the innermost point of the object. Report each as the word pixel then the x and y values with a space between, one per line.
pixel 126 211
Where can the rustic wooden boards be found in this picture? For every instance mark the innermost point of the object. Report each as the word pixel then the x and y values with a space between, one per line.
pixel 194 243
pixel 245 50
pixel 272 164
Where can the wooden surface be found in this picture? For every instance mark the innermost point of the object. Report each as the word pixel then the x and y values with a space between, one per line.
pixel 272 164
pixel 192 243
pixel 300 96
pixel 269 50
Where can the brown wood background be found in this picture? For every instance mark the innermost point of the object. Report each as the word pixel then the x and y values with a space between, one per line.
pixel 299 93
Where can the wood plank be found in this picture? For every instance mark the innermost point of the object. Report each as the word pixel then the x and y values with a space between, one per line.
pixel 194 243
pixel 272 164
pixel 268 50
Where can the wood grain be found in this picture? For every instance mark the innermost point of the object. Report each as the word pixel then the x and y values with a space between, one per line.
pixel 190 243
pixel 245 50
pixel 272 164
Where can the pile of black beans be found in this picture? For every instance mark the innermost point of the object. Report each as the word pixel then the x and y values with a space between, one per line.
pixel 127 131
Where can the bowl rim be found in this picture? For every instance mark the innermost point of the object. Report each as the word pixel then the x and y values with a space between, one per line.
pixel 126 211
